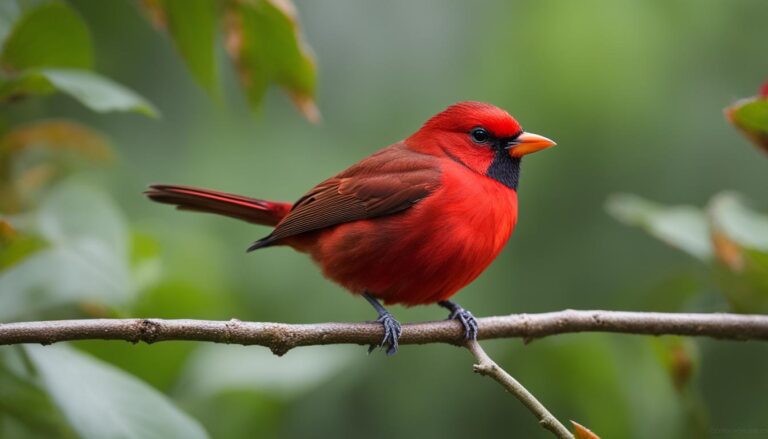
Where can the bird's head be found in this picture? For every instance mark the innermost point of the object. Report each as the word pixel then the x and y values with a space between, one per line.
pixel 481 137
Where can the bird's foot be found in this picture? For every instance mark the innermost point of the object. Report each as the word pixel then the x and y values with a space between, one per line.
pixel 465 317
pixel 392 331
pixel 392 327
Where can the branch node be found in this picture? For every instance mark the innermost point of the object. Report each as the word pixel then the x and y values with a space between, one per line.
pixel 230 328
pixel 148 331
pixel 484 368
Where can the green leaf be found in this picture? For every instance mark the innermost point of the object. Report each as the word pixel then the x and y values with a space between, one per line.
pixel 740 236
pixel 683 227
pixel 261 371
pixel 101 401
pixel 750 116
pixel 50 35
pixel 9 13
pixel 86 258
pixel 753 115
pixel 23 400
pixel 730 215
pixel 92 90
pixel 263 39
pixel 192 24
pixel 97 92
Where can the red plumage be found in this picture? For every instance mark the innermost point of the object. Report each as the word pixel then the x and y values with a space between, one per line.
pixel 411 224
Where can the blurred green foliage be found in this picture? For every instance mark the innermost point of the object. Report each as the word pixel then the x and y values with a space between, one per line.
pixel 631 91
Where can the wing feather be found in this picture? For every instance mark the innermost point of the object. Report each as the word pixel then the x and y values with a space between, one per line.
pixel 385 183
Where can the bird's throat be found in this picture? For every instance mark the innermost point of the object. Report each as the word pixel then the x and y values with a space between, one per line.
pixel 505 169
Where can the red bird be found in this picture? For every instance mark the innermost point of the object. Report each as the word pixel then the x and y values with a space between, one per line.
pixel 411 224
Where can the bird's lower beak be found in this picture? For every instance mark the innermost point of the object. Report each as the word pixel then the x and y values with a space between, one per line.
pixel 527 143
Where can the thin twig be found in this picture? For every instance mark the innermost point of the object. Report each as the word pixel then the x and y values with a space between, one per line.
pixel 487 367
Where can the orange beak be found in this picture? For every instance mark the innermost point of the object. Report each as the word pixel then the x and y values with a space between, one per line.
pixel 527 143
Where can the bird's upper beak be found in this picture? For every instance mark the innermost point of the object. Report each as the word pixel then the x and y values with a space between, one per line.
pixel 527 143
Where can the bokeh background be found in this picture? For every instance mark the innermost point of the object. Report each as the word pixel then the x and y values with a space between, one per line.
pixel 632 92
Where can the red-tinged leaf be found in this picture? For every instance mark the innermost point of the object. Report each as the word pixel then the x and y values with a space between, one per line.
pixel 155 13
pixel 679 357
pixel 35 154
pixel 740 241
pixel 750 116
pixel 265 43
pixel 582 432
pixel 7 232
pixel 727 251
pixel 57 134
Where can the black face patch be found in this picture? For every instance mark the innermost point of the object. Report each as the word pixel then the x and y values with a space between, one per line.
pixel 505 169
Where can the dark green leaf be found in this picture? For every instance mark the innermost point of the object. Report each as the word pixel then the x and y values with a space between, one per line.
pixel 23 400
pixel 101 401
pixel 264 40
pixel 51 35
pixel 192 24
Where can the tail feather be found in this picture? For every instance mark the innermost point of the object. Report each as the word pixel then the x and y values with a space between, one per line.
pixel 253 210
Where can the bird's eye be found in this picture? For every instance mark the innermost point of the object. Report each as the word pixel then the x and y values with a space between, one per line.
pixel 480 135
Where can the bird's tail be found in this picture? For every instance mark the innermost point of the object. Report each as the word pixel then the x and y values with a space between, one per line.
pixel 253 210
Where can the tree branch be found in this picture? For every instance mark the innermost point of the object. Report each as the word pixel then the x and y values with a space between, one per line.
pixel 282 337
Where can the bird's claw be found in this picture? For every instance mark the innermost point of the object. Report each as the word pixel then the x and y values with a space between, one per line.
pixel 467 320
pixel 392 331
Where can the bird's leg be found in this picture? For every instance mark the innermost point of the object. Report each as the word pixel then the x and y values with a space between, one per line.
pixel 392 328
pixel 462 315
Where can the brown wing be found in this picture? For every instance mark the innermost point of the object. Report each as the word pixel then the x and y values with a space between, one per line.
pixel 387 182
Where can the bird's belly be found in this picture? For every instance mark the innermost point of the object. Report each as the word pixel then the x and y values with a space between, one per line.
pixel 421 255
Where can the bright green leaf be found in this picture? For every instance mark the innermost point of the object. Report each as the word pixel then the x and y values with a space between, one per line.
pixel 750 116
pixel 51 35
pixel 265 42
pixel 192 24
pixel 92 90
pixel 101 401
pixel 683 227
pixel 753 115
